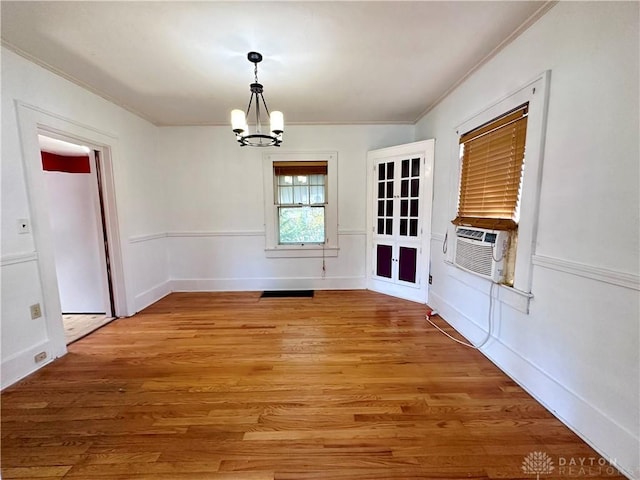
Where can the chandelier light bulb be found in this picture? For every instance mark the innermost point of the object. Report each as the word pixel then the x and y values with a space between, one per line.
pixel 277 122
pixel 238 121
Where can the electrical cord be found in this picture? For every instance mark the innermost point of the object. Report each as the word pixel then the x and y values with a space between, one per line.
pixel 466 344
pixel 445 242
pixel 324 265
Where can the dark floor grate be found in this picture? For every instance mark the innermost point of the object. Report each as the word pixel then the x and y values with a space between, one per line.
pixel 286 293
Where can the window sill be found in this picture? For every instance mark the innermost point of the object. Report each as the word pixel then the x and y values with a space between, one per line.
pixel 515 298
pixel 511 296
pixel 301 251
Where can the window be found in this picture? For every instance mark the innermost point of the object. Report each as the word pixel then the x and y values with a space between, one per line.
pixel 300 189
pixel 529 102
pixel 492 161
pixel 301 204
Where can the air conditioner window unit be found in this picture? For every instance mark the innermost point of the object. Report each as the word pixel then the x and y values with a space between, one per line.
pixel 482 251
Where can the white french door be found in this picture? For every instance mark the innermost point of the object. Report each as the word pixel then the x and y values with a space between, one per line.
pixel 400 183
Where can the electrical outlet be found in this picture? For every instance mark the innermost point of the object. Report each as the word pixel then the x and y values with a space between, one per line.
pixel 23 225
pixel 39 357
pixel 430 279
pixel 36 311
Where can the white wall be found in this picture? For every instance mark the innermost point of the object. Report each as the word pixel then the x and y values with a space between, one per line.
pixel 190 207
pixel 141 201
pixel 577 350
pixel 216 214
pixel 75 229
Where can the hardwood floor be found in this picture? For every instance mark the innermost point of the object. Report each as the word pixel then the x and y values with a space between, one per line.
pixel 345 385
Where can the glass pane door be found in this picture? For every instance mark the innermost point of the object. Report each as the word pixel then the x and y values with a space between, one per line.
pixel 384 217
pixel 409 197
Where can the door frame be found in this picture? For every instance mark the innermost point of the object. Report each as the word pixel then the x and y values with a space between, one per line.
pixel 423 148
pixel 33 121
pixel 97 208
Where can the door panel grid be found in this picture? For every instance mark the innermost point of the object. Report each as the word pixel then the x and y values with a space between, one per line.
pixel 409 197
pixel 386 189
pixel 396 225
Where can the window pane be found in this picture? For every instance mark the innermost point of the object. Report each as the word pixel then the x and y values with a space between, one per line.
pixel 405 168
pixel 403 227
pixel 390 172
pixel 415 187
pixel 301 194
pixel 413 227
pixel 285 180
pixel 404 208
pixel 381 208
pixel 286 195
pixel 404 188
pixel 301 189
pixel 301 225
pixel 316 179
pixel 414 208
pixel 415 167
pixel 381 171
pixel 317 194
pixel 389 208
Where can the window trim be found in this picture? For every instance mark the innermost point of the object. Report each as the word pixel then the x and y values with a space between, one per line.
pixel 536 93
pixel 273 249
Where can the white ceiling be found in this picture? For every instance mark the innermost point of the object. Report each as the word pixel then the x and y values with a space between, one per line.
pixel 184 63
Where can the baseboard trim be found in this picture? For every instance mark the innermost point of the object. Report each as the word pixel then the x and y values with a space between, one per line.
pixel 21 364
pixel 588 422
pixel 258 284
pixel 148 297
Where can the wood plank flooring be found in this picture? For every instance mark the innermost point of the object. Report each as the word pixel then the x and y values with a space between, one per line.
pixel 345 385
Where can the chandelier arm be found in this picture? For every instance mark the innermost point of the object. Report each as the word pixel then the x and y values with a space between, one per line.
pixel 264 103
pixel 258 124
pixel 246 115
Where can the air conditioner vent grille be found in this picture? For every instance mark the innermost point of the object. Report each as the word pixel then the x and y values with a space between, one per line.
pixel 477 258
pixel 471 234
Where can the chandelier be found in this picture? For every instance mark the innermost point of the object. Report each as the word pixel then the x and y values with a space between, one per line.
pixel 239 118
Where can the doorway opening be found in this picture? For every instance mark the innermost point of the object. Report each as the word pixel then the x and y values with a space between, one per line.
pixel 73 190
